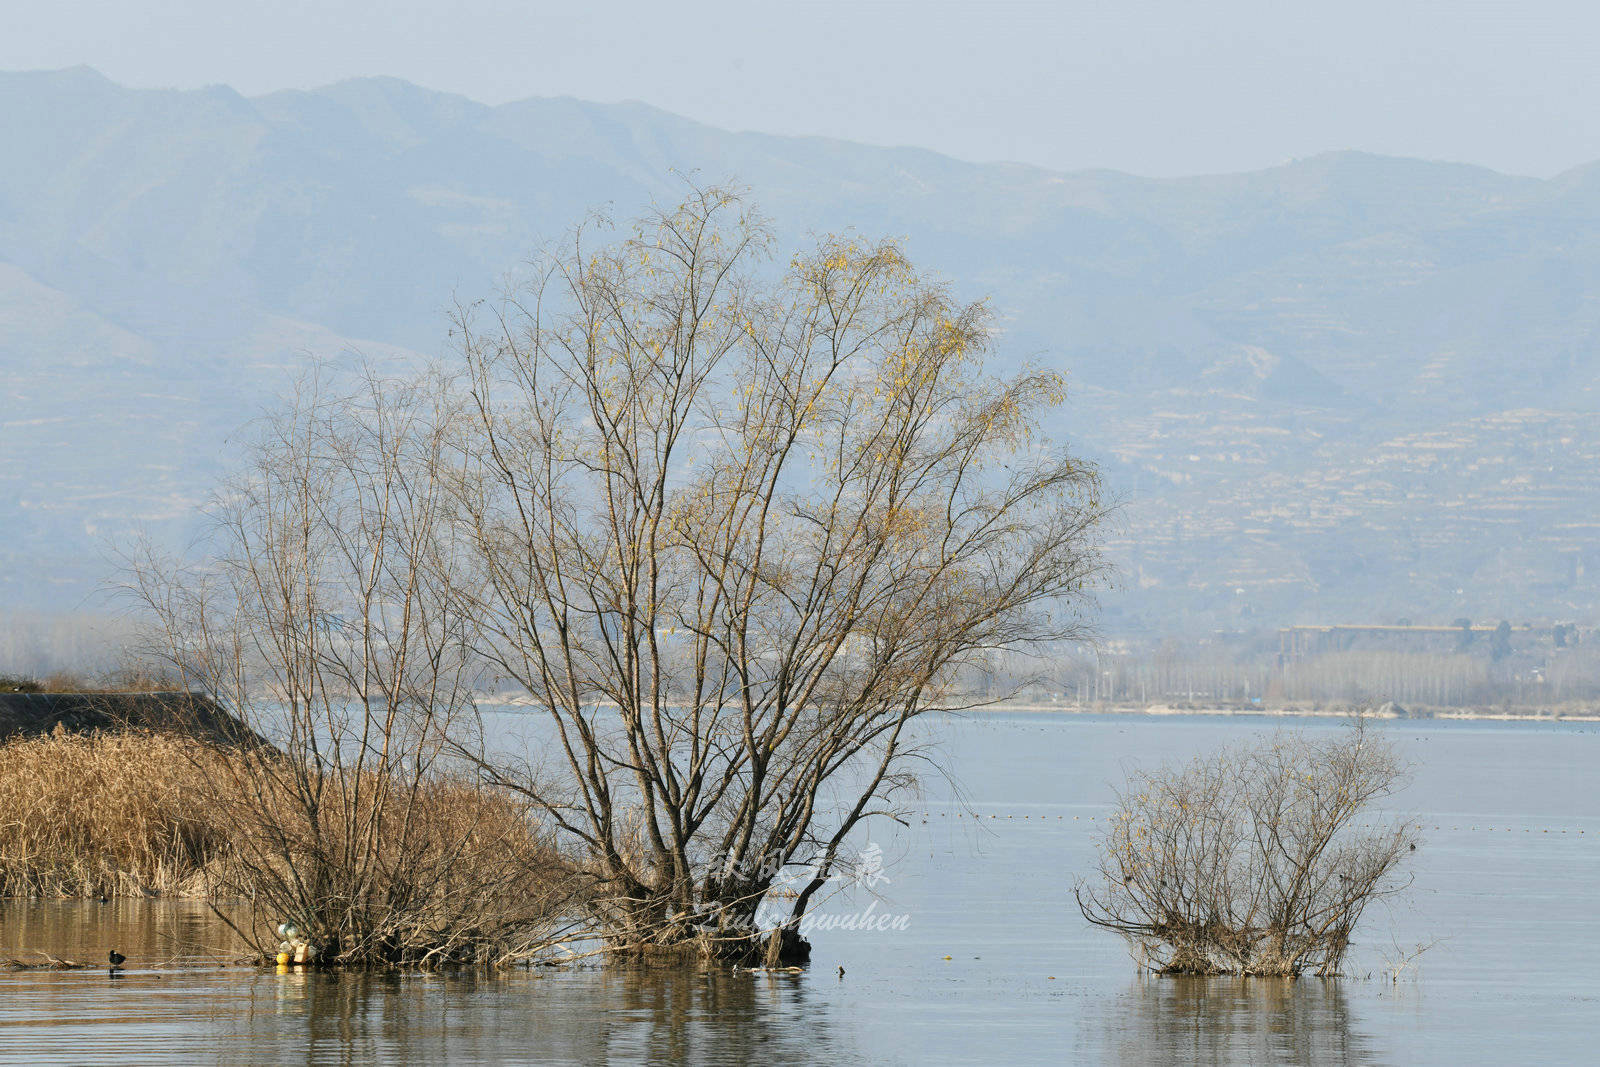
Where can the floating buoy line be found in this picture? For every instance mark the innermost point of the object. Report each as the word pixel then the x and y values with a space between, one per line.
pixel 1365 826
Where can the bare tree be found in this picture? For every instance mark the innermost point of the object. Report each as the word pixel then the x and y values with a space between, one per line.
pixel 1250 861
pixel 733 531
pixel 323 619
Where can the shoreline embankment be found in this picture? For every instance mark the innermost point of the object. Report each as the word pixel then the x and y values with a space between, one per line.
pixel 1569 713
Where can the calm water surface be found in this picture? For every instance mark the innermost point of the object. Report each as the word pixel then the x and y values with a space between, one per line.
pixel 1506 876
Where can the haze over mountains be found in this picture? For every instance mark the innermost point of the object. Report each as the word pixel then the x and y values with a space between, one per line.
pixel 1347 388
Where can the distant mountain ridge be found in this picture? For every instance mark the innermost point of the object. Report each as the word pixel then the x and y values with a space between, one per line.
pixel 166 257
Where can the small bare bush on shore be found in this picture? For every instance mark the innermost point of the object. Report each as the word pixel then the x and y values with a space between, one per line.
pixel 108 815
pixel 131 677
pixel 1251 861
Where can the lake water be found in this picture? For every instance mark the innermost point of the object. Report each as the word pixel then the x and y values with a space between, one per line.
pixel 1506 876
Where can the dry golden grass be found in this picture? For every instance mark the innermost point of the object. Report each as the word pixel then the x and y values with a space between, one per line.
pixel 107 814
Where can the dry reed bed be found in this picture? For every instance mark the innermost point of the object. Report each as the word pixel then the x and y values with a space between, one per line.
pixel 107 815
pixel 431 871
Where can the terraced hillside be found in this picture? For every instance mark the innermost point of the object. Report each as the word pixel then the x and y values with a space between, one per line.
pixel 1346 386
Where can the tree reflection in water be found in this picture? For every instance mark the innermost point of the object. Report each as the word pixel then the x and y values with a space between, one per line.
pixel 1235 1020
pixel 667 1014
pixel 227 1013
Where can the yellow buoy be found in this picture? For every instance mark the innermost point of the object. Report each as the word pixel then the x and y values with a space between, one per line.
pixel 283 959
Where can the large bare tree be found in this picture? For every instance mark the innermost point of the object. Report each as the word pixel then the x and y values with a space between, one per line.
pixel 734 526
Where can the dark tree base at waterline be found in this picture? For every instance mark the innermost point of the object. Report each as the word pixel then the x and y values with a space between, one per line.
pixel 786 946
pixel 775 948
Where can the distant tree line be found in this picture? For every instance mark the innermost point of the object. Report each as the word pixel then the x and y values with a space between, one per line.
pixel 1490 672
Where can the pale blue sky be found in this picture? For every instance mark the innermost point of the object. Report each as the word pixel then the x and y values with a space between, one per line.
pixel 1151 86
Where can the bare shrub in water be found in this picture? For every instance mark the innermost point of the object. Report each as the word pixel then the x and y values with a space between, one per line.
pixel 121 814
pixel 322 619
pixel 1252 861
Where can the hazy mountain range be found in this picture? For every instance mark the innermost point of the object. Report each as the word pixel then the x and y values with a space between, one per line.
pixel 1348 387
